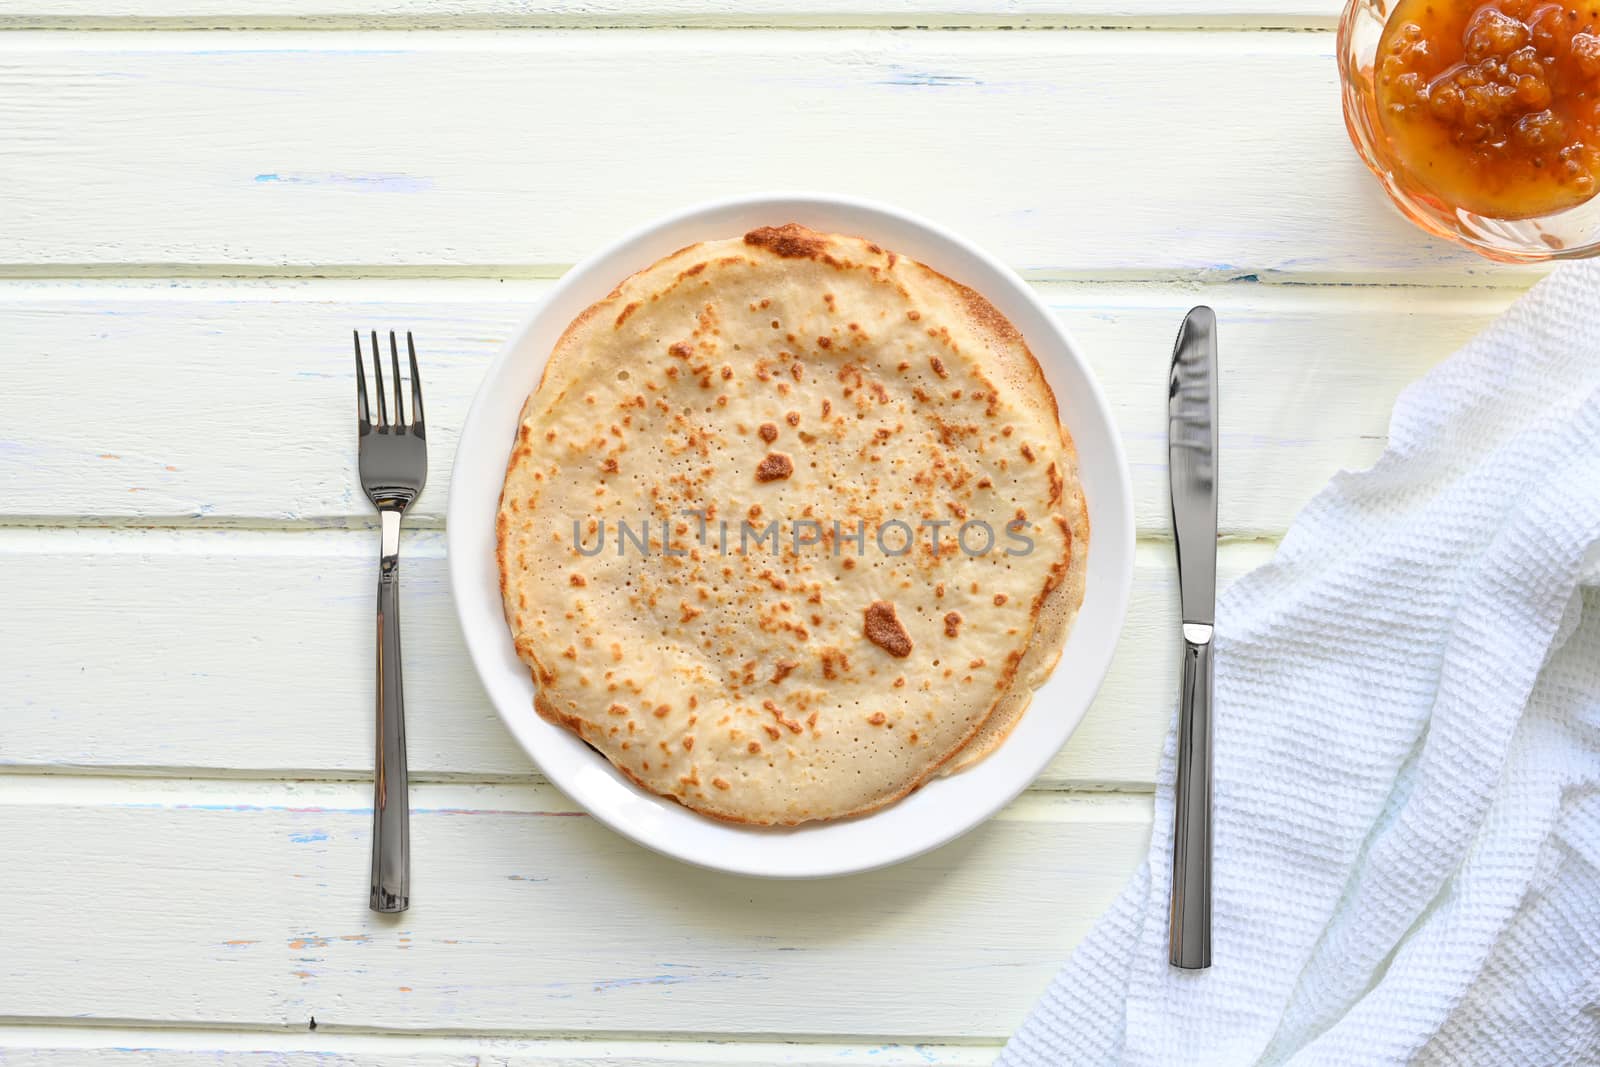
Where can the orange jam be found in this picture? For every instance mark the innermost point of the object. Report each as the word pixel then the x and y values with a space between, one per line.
pixel 1494 107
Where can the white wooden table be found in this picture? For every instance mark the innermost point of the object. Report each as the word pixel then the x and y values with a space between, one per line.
pixel 200 198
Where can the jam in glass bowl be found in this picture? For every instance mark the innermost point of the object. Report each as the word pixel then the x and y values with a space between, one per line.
pixel 1481 118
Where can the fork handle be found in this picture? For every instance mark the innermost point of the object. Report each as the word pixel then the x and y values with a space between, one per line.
pixel 391 807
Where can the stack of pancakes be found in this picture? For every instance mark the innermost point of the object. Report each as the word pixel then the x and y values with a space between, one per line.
pixel 790 526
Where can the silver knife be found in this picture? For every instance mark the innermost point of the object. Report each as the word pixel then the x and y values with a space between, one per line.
pixel 1192 464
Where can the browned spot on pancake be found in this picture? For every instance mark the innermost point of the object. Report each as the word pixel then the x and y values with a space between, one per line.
pixel 877 718
pixel 777 713
pixel 661 711
pixel 938 366
pixel 784 668
pixel 774 468
pixel 792 418
pixel 721 783
pixel 768 432
pixel 727 373
pixel 1027 453
pixel 1055 484
pixel 914 316
pixel 824 342
pixel 834 662
pixel 882 627
pixel 984 483
pixel 999 600
pixel 629 310
pixel 753 747
pixel 578 579
pixel 827 407
pixel 609 464
pixel 690 272
pixel 681 349
pixel 688 743
pixel 617 709
pixel 791 241
pixel 952 624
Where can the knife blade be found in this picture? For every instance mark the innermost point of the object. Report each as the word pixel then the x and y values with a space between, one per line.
pixel 1192 462
pixel 1192 466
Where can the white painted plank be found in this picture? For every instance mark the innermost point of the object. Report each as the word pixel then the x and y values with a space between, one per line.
pixel 250 654
pixel 942 14
pixel 234 402
pixel 43 1046
pixel 232 653
pixel 296 151
pixel 246 906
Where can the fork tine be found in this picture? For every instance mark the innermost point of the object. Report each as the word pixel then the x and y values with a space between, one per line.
pixel 361 386
pixel 394 361
pixel 377 370
pixel 416 386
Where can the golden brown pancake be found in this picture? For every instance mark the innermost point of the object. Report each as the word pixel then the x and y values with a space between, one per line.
pixel 790 524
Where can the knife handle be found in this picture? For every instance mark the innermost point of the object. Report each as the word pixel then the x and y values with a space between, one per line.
pixel 1189 927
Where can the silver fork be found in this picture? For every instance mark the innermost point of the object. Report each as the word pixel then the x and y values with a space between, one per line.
pixel 394 466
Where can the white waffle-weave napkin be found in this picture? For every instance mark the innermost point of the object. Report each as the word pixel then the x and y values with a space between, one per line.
pixel 1407 760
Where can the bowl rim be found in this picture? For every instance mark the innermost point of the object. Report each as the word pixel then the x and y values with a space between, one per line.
pixel 943 808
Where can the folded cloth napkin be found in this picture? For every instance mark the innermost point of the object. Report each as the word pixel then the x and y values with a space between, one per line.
pixel 1407 760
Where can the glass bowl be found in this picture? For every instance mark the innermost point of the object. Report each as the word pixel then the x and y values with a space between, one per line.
pixel 1571 233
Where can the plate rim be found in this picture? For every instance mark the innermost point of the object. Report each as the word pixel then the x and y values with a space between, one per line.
pixel 642 817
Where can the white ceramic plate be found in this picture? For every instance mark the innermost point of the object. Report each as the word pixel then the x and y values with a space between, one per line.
pixel 941 810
